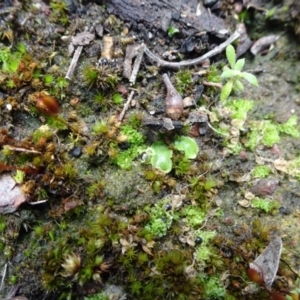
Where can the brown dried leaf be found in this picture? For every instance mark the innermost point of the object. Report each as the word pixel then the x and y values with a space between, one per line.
pixel 11 195
pixel 266 264
pixel 147 250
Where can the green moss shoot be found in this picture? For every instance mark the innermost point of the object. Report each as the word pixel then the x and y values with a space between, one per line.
pixel 265 205
pixel 261 172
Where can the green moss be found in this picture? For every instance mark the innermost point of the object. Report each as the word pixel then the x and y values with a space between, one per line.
pixel 182 167
pixel 99 296
pixel 160 219
pixel 252 139
pixel 2 224
pixel 184 80
pixel 136 287
pixel 10 60
pixel 264 132
pixel 290 127
pixel 204 252
pixel 48 79
pixel 270 134
pixel 213 74
pixel 100 127
pixel 55 123
pixel 136 140
pixel 194 216
pixel 213 288
pixel 265 205
pixel 117 98
pixel 261 172
pixel 90 74
pixel 239 108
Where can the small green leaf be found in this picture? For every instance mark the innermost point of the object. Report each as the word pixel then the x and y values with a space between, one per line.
pixel 161 157
pixel 226 90
pixel 270 134
pixel 238 86
pixel 230 54
pixel 228 73
pixel 289 127
pixel 48 79
pixel 239 64
pixel 249 77
pixel 187 145
pixel 261 171
pixel 117 98
pixel 21 47
pixel 172 30
pixel 270 12
pixel 19 177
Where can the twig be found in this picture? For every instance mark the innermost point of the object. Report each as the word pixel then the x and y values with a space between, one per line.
pixel 126 106
pixel 191 62
pixel 20 149
pixel 137 64
pixel 3 276
pixel 38 202
pixel 74 62
pixel 213 84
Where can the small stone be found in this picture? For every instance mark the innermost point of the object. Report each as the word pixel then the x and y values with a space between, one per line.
pixel 188 102
pixel 168 207
pixel 76 152
pixel 244 203
pixel 209 3
pixel 198 240
pixel 264 187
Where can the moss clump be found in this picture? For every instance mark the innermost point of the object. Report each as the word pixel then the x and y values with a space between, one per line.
pixel 184 80
pixel 268 133
pixel 213 289
pixel 265 205
pixel 160 219
pixel 239 108
pixel 135 142
pixel 194 216
pixel 204 252
pixel 261 172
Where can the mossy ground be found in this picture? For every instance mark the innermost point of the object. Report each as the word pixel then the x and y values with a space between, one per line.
pixel 180 235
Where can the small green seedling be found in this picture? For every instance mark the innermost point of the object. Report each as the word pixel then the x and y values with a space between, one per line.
pixel 19 177
pixel 187 145
pixel 172 30
pixel 234 74
pixel 161 155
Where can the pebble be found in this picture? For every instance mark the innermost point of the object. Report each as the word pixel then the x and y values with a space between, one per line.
pixel 209 3
pixel 76 152
pixel 264 187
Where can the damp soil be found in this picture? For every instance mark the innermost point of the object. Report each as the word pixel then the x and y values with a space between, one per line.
pixel 129 193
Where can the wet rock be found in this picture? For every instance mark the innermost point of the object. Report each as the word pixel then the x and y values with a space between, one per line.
pixel 93 50
pixel 158 14
pixel 263 43
pixel 199 92
pixel 209 3
pixel 264 187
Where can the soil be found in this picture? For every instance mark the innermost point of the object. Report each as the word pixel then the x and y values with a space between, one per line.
pixel 90 197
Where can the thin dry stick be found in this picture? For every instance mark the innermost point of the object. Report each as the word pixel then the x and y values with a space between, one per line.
pixel 191 62
pixel 3 276
pixel 213 84
pixel 126 106
pixel 137 64
pixel 74 62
